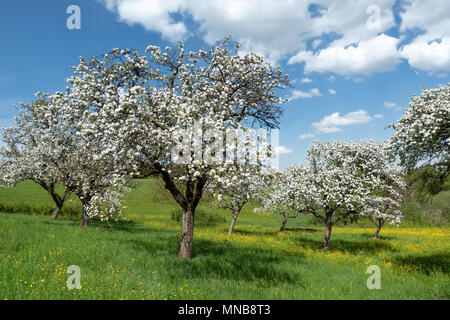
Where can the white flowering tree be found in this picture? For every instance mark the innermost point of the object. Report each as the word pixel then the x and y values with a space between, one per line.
pixel 33 152
pixel 337 181
pixel 235 191
pixel 422 135
pixel 174 111
pixel 47 147
pixel 381 210
pixel 280 196
pixel 213 93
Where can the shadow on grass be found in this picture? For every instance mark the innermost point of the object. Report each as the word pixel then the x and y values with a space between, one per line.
pixel 436 262
pixel 271 233
pixel 353 247
pixel 223 260
pixel 302 229
pixel 380 237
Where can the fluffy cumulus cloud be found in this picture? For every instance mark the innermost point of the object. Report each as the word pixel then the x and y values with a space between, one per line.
pixel 308 135
pixel 344 37
pixel 431 49
pixel 154 15
pixel 297 94
pixel 430 56
pixel 283 150
pixel 390 105
pixel 364 58
pixel 335 122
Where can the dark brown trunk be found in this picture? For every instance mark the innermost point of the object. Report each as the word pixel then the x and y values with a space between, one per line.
pixel 59 201
pixel 327 235
pixel 233 222
pixel 187 234
pixel 380 225
pixel 188 202
pixel 56 212
pixel 85 220
pixel 285 220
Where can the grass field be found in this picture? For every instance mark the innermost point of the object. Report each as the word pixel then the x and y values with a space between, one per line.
pixel 137 259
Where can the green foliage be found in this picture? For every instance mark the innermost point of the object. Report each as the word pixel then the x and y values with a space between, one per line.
pixel 427 181
pixel 203 216
pixel 427 200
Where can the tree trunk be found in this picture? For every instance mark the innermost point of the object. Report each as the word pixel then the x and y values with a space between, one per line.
pixel 56 212
pixel 85 221
pixel 327 236
pixel 285 220
pixel 233 222
pixel 187 234
pixel 380 225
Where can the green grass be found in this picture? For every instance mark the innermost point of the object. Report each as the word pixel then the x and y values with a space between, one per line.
pixel 137 259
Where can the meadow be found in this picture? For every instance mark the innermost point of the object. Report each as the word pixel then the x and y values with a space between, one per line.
pixel 137 258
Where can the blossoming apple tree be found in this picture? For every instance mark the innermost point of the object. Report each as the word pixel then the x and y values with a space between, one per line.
pixel 177 113
pixel 336 182
pixel 222 91
pixel 422 135
pixel 32 152
pixel 234 192
pixel 381 210
pixel 280 196
pixel 47 146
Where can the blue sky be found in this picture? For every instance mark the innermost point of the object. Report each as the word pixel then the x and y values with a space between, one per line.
pixel 353 66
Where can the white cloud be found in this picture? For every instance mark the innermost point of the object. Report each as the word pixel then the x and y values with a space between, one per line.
pixel 429 51
pixel 316 43
pixel 364 58
pixel 390 105
pixel 378 116
pixel 331 91
pixel 306 80
pixel 276 29
pixel 333 122
pixel 283 150
pixel 441 75
pixel 430 16
pixel 285 29
pixel 154 15
pixel 430 56
pixel 296 94
pixel 308 135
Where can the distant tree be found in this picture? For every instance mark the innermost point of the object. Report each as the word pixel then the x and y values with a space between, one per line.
pixel 381 210
pixel 422 137
pixel 33 153
pixel 46 146
pixel 234 192
pixel 337 181
pixel 278 196
pixel 91 171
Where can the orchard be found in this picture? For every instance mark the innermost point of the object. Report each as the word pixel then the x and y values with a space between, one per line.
pixel 175 114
